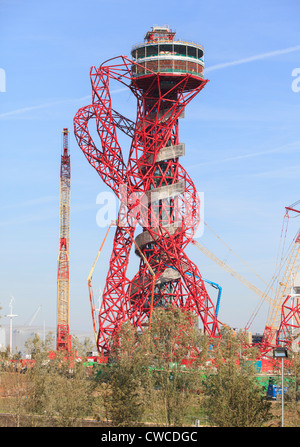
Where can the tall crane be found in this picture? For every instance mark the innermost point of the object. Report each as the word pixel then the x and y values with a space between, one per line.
pixel 89 279
pixel 279 305
pixel 236 275
pixel 292 266
pixel 284 289
pixel 33 316
pixel 63 337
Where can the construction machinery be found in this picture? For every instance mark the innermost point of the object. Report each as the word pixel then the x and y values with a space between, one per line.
pixel 232 272
pixel 219 288
pixel 34 316
pixel 283 293
pixel 285 304
pixel 283 316
pixel 63 337
pixel 89 280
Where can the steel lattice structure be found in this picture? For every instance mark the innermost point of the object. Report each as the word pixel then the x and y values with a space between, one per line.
pixel 63 338
pixel 154 189
pixel 277 313
pixel 290 322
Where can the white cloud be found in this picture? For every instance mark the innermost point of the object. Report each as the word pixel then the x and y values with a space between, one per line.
pixel 208 69
pixel 288 173
pixel 54 103
pixel 253 58
pixel 40 106
pixel 279 149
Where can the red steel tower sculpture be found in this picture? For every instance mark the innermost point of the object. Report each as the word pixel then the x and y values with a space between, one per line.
pixel 153 188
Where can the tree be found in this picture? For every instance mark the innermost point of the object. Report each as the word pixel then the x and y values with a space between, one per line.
pixel 14 390
pixel 39 349
pixel 148 376
pixel 81 348
pixel 292 383
pixel 59 391
pixel 124 390
pixel 66 399
pixel 177 350
pixel 234 398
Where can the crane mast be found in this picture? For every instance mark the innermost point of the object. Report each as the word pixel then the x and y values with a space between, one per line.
pixel 226 267
pixel 90 280
pixel 283 308
pixel 63 338
pixel 284 290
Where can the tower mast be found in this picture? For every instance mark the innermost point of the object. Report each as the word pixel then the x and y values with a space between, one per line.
pixel 63 338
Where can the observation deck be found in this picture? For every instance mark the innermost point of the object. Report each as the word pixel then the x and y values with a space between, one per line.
pixel 160 53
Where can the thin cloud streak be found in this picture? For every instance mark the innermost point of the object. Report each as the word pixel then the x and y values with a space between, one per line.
pixel 50 104
pixel 208 69
pixel 41 106
pixel 253 58
pixel 32 202
pixel 286 173
pixel 245 156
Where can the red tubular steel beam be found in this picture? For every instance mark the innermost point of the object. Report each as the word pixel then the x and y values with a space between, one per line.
pixel 292 209
pixel 290 321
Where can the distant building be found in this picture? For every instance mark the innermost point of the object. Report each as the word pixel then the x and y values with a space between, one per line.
pixel 22 333
pixel 257 338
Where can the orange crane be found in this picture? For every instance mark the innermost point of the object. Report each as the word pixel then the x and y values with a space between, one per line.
pixel 291 268
pixel 276 302
pixel 63 337
pixel 89 279
pixel 284 291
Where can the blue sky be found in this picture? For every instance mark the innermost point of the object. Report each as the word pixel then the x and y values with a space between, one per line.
pixel 241 134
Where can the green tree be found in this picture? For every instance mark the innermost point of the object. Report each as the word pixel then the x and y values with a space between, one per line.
pixel 177 350
pixel 59 391
pixel 14 388
pixel 39 349
pixel 81 348
pixel 125 404
pixel 292 382
pixel 66 399
pixel 234 398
